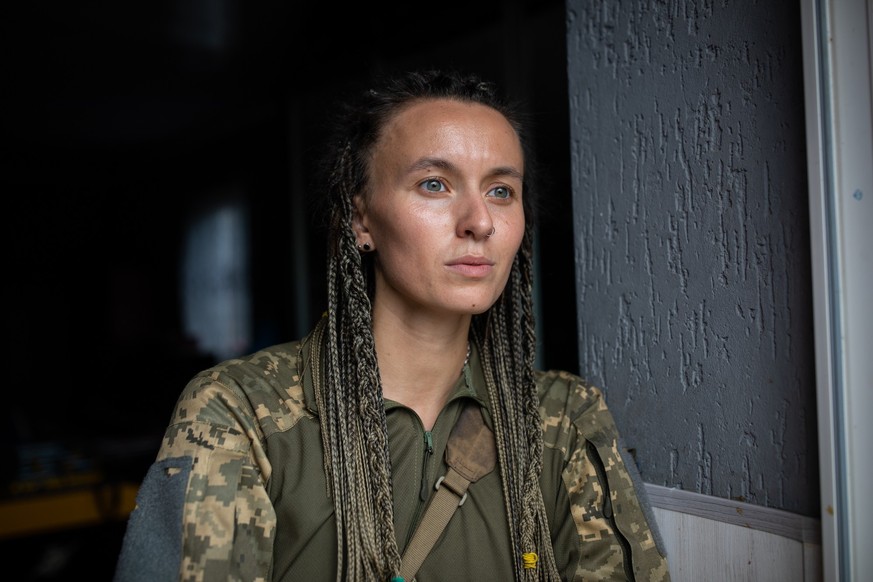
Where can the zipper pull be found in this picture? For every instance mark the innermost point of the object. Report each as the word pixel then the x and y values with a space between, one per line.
pixel 428 451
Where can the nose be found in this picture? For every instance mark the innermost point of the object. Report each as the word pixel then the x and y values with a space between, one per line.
pixel 474 217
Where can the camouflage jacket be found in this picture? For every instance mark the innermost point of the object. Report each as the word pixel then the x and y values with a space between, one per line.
pixel 238 489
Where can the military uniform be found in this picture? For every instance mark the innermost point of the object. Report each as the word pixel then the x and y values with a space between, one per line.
pixel 238 489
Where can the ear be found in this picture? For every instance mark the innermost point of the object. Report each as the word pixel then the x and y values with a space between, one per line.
pixel 359 221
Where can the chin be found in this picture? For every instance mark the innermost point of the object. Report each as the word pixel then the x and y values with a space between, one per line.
pixel 464 301
pixel 474 307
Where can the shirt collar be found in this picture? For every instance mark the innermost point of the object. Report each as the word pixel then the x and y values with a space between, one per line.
pixel 470 384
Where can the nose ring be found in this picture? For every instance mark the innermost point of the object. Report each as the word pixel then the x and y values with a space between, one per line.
pixel 490 234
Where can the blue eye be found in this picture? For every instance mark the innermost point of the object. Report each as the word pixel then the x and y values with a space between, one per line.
pixel 502 192
pixel 433 185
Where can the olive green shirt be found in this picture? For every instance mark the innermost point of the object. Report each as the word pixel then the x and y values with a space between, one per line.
pixel 238 489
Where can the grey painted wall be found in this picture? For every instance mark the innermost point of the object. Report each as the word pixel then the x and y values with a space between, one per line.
pixel 692 243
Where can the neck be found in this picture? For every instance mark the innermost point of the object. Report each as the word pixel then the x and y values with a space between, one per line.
pixel 420 364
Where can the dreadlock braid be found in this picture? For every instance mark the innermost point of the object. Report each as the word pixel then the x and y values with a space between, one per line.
pixel 353 423
pixel 507 340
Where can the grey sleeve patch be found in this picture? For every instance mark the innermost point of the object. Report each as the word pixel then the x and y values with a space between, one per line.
pixel 152 547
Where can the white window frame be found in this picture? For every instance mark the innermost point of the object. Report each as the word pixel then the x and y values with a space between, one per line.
pixel 838 76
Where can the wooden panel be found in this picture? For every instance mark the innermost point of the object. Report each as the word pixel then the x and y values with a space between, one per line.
pixel 812 562
pixel 704 549
pixel 775 521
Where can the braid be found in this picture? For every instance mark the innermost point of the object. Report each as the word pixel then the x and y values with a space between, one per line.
pixel 507 340
pixel 353 425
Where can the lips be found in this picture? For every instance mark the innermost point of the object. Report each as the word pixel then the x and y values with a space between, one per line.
pixel 471 260
pixel 471 266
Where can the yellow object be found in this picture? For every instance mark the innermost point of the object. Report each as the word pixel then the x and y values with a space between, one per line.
pixel 530 560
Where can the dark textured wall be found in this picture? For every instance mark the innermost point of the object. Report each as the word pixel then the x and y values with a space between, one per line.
pixel 692 242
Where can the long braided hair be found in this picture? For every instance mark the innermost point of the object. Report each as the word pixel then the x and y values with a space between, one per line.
pixel 353 423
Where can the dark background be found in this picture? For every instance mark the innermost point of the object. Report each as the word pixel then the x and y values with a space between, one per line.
pixel 118 120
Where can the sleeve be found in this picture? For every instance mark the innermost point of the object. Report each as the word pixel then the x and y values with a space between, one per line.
pixel 203 512
pixel 616 540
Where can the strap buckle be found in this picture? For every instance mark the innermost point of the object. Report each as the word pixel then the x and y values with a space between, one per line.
pixel 439 484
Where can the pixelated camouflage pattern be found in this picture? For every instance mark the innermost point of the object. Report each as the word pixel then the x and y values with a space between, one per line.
pixel 220 422
pixel 225 415
pixel 577 422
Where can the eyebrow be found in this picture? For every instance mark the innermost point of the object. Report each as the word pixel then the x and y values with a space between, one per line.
pixel 427 162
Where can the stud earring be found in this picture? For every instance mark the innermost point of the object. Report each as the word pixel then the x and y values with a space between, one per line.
pixel 364 247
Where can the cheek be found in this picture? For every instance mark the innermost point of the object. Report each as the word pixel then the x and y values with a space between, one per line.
pixel 411 231
pixel 403 248
pixel 515 233
pixel 393 237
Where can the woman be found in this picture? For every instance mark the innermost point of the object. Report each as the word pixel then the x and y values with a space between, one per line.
pixel 316 459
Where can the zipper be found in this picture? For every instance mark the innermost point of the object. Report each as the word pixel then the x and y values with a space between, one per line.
pixel 607 510
pixel 423 491
pixel 428 451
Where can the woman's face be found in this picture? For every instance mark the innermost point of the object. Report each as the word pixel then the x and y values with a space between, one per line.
pixel 443 176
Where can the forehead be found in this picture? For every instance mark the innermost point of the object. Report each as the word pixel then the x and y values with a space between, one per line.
pixel 432 122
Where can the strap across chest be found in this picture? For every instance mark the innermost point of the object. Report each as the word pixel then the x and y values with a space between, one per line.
pixel 471 453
